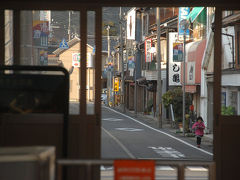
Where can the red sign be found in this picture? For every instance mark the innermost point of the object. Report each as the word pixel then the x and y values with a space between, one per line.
pixel 134 169
pixel 191 88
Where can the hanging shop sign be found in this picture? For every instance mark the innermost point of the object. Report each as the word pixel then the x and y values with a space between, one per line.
pixel 174 67
pixel 190 72
pixel 148 54
pixel 116 85
pixel 131 24
pixel 183 14
pixel 177 52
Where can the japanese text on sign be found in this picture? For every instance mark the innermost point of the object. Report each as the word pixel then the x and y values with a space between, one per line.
pixel 148 54
pixel 134 170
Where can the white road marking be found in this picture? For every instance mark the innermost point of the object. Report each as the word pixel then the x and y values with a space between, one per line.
pixel 111 119
pixel 129 129
pixel 106 168
pixel 196 168
pixel 199 149
pixel 167 152
pixel 120 144
pixel 165 168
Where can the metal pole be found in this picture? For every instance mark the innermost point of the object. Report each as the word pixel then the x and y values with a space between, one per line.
pixel 159 78
pixel 88 69
pixel 167 79
pixel 122 61
pixel 108 36
pixel 113 80
pixel 135 79
pixel 109 69
pixel 184 54
pixel 69 25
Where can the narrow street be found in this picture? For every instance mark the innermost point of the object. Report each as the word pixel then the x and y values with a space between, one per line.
pixel 127 137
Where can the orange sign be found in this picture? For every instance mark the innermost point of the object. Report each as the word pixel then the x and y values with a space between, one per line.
pixel 134 170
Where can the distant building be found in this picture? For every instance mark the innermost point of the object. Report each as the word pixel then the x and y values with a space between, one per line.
pixel 70 59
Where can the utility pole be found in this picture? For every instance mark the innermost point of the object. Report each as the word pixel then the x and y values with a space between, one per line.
pixel 135 76
pixel 137 56
pixel 109 72
pixel 113 79
pixel 159 78
pixel 122 61
pixel 184 49
pixel 184 26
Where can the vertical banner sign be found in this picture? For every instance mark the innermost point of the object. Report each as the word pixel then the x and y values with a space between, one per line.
pixel 174 67
pixel 134 170
pixel 148 54
pixel 191 73
pixel 183 13
pixel 116 85
pixel 131 23
pixel 177 52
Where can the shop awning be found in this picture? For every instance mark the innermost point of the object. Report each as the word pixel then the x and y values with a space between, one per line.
pixel 195 13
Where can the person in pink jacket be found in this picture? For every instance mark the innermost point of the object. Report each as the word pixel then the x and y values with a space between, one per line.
pixel 199 127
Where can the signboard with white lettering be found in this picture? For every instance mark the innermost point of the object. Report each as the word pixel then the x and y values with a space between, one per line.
pixel 148 54
pixel 174 67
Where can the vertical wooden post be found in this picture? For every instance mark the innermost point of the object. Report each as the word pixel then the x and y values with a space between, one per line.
pixel 98 65
pixel 16 37
pixel 181 172
pixel 217 90
pixel 2 38
pixel 83 47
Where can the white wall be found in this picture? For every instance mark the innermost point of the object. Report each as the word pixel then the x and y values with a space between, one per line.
pixel 227 46
pixel 231 80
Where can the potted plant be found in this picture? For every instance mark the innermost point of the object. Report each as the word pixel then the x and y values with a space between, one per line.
pixel 174 97
pixel 228 111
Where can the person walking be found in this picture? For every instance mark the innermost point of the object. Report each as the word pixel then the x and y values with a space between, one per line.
pixel 198 128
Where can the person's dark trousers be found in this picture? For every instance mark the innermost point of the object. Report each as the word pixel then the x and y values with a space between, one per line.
pixel 199 138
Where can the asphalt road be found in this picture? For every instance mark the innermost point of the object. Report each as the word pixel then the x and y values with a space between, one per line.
pixel 126 137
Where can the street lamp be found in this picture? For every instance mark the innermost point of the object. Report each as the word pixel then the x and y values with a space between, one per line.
pixel 184 26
